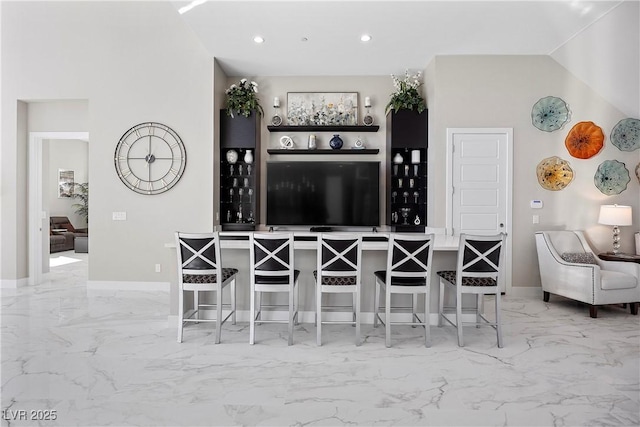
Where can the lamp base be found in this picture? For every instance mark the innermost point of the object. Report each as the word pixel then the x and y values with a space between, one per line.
pixel 616 240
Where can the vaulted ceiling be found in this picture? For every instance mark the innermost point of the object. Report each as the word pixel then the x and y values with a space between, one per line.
pixel 322 37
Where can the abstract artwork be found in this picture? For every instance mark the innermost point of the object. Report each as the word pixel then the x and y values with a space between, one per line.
pixel 322 108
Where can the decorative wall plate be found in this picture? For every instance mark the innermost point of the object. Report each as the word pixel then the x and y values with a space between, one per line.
pixel 626 135
pixel 554 173
pixel 611 177
pixel 584 140
pixel 549 114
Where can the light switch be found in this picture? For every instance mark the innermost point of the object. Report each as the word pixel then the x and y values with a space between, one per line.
pixel 119 216
pixel 536 219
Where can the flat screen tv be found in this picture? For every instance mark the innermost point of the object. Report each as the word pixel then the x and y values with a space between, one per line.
pixel 323 194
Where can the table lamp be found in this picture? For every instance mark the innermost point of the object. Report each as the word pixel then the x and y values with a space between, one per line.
pixel 616 215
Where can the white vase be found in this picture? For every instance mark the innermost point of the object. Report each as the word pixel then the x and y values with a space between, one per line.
pixel 248 157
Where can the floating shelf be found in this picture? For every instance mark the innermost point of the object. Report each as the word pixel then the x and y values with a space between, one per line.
pixel 357 128
pixel 324 151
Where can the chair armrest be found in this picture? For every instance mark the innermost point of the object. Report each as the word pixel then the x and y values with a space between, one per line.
pixel 631 268
pixel 82 231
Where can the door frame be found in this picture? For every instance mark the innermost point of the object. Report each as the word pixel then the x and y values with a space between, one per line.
pixel 508 132
pixel 35 208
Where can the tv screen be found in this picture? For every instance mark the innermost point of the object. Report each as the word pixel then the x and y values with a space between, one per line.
pixel 323 193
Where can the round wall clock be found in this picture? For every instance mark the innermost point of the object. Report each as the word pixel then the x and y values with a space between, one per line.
pixel 150 158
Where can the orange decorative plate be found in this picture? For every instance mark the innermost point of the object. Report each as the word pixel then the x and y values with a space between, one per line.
pixel 584 140
pixel 554 173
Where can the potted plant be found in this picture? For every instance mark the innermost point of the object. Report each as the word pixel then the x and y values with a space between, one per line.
pixel 406 96
pixel 242 99
pixel 81 193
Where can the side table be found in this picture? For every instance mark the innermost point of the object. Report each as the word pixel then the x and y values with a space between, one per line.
pixel 81 244
pixel 607 256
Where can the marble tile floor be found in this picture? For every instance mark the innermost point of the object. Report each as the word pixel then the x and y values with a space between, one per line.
pixel 107 358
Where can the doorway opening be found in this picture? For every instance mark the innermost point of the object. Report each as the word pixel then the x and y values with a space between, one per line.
pixel 38 205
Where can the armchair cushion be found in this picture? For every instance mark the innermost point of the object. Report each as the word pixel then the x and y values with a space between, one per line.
pixel 579 257
pixel 616 280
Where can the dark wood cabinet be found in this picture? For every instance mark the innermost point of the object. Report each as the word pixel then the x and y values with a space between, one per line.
pixel 239 171
pixel 406 197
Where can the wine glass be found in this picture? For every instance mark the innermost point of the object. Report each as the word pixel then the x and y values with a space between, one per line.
pixel 405 214
pixel 240 193
pixel 231 195
pixel 406 170
pixel 248 169
pixel 406 196
pixel 394 194
pixel 415 196
pixel 230 169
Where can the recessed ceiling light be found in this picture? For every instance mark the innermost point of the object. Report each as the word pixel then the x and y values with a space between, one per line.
pixel 258 39
pixel 304 39
pixel 365 37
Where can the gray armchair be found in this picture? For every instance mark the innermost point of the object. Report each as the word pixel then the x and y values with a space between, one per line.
pixel 568 267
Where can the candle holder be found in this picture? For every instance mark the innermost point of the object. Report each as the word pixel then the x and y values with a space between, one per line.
pixel 368 118
pixel 276 120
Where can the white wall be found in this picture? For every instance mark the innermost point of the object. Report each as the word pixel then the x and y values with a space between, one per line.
pixel 134 62
pixel 608 48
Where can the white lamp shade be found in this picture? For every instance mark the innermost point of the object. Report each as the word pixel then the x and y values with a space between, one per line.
pixel 615 215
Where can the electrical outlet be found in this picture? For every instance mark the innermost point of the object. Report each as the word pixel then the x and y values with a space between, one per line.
pixel 158 268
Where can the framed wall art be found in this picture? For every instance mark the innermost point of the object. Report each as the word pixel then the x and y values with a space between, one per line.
pixel 65 183
pixel 322 108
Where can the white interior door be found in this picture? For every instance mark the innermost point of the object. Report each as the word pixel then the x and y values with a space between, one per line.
pixel 479 184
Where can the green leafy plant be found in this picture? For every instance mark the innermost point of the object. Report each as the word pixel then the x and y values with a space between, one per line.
pixel 406 96
pixel 81 194
pixel 243 98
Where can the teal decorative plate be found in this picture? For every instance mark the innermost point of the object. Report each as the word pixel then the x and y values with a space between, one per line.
pixel 626 135
pixel 611 177
pixel 549 114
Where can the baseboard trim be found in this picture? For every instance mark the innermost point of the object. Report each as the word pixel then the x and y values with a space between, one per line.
pixel 14 283
pixel 526 291
pixel 128 285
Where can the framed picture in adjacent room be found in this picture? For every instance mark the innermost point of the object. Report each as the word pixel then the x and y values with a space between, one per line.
pixel 65 183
